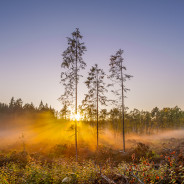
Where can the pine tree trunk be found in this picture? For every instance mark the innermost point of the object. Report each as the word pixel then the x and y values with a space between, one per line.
pixel 123 117
pixel 76 106
pixel 97 109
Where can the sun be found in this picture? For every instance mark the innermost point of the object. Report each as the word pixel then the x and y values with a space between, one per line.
pixel 75 116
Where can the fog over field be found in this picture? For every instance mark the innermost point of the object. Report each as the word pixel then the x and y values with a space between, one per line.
pixel 47 134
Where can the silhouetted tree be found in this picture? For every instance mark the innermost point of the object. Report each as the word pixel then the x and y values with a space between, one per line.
pixel 114 116
pixel 12 103
pixel 135 117
pixel 96 91
pixel 41 106
pixel 103 115
pixel 65 112
pixel 29 107
pixel 4 108
pixel 119 77
pixel 72 64
pixel 88 111
pixel 65 101
pixel 18 104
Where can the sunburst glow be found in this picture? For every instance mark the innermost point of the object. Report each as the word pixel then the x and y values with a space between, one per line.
pixel 75 116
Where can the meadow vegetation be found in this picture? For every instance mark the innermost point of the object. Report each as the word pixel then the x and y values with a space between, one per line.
pixel 139 165
pixel 37 146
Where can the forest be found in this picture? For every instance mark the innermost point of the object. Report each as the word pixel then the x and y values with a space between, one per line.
pixel 136 121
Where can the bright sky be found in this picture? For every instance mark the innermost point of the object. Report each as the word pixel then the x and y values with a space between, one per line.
pixel 33 36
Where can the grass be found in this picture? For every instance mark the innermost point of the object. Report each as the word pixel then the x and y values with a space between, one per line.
pixel 138 165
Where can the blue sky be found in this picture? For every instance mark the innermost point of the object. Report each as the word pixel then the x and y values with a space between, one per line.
pixel 33 36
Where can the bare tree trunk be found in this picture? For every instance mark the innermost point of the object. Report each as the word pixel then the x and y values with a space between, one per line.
pixel 97 108
pixel 76 105
pixel 123 116
pixel 76 140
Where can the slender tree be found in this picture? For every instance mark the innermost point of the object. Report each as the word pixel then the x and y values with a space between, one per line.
pixel 118 77
pixel 96 92
pixel 64 112
pixel 41 106
pixel 66 101
pixel 88 110
pixel 72 64
pixel 12 103
pixel 103 115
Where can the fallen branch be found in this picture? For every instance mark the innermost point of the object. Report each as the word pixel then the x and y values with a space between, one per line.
pixel 136 177
pixel 107 179
pixel 123 177
pixel 103 176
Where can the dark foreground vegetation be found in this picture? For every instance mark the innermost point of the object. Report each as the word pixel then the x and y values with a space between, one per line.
pixel 161 162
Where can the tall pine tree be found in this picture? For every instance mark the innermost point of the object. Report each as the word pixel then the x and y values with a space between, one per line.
pixel 71 65
pixel 96 92
pixel 118 77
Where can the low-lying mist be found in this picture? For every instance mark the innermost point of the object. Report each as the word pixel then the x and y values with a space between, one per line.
pixel 43 132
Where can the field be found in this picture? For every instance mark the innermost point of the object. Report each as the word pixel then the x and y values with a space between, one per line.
pixel 38 147
pixel 152 159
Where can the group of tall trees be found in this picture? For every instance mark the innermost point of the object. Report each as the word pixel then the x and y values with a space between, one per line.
pixel 72 64
pixel 136 120
pixel 113 118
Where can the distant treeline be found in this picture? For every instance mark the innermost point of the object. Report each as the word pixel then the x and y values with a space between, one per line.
pixel 17 107
pixel 136 121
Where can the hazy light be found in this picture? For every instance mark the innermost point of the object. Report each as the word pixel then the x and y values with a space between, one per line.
pixel 77 117
pixel 74 116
